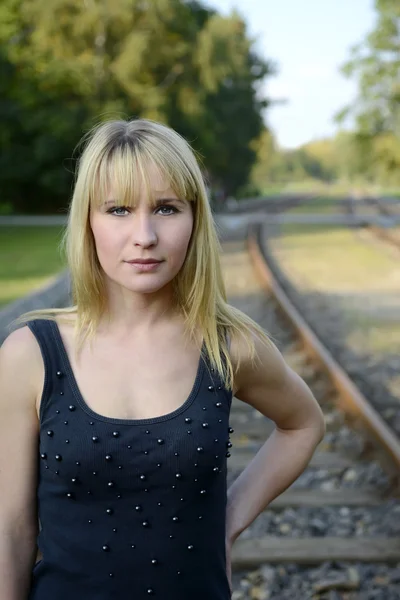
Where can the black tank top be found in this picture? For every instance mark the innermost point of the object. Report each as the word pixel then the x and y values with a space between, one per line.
pixel 130 509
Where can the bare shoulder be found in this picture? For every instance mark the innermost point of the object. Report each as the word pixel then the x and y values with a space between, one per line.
pixel 21 364
pixel 266 363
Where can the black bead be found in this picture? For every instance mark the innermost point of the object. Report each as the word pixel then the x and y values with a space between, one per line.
pixel 175 519
pixel 115 434
pixel 114 529
pixel 57 412
pixel 216 440
pixel 78 463
pixel 138 508
pixel 196 464
pixel 95 438
pixel 219 420
pixel 119 466
pixel 218 404
pixel 67 441
pixel 50 433
pixel 202 492
pixel 90 521
pixel 174 487
pixel 58 457
pixel 57 472
pixel 154 561
pixel 145 452
pixel 230 430
pixel 145 523
pixel 200 449
pixel 205 425
pixel 158 464
pixel 43 455
pixel 228 454
pixel 61 393
pixel 219 387
pixel 133 545
pixel 188 420
pixel 108 457
pixel 229 444
pixel 178 572
pixel 150 591
pixel 159 503
pixel 65 422
pixel 142 477
pixel 109 511
pixel 119 496
pixel 71 407
pixel 190 547
pixel 189 432
pixel 106 548
pixel 178 475
pixel 69 495
pixel 111 574
pixel 211 388
pixel 204 408
pixel 91 423
pixel 74 480
pixel 216 469
pixel 160 441
pixel 129 447
pixel 46 466
pixel 59 374
pixel 110 484
pixel 89 493
pixel 94 472
pixel 147 431
pixel 200 517
pixel 176 453
pixel 171 537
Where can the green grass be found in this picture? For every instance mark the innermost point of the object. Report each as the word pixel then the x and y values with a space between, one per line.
pixel 30 257
pixel 320 205
pixel 353 275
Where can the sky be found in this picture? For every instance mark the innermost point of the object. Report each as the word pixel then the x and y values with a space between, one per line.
pixel 309 40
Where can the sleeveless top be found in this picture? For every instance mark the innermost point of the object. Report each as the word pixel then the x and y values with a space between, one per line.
pixel 130 508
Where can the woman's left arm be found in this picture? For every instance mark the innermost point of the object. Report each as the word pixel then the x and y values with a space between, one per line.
pixel 276 391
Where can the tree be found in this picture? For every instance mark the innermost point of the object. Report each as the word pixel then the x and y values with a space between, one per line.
pixel 69 63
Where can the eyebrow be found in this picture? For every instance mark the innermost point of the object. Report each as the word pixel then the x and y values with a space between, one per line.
pixel 158 202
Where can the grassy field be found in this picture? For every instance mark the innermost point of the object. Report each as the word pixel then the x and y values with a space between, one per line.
pixel 353 275
pixel 29 258
pixel 320 205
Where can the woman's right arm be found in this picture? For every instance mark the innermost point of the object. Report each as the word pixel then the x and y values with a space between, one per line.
pixel 20 371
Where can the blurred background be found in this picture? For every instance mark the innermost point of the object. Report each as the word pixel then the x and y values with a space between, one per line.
pixel 294 110
pixel 278 98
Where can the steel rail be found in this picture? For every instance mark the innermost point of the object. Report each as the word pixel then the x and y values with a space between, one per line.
pixel 351 400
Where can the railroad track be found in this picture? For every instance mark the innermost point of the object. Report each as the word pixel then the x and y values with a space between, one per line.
pixel 334 534
pixel 387 234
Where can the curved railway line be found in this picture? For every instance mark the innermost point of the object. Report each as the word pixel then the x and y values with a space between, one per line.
pixel 334 534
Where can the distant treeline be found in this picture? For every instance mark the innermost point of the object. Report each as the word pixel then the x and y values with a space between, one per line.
pixel 369 153
pixel 67 64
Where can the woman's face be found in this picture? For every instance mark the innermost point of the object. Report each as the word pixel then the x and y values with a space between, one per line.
pixel 123 235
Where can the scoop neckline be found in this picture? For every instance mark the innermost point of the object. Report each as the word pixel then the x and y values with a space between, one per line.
pixel 119 421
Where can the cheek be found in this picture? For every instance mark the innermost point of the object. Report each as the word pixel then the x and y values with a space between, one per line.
pixel 106 240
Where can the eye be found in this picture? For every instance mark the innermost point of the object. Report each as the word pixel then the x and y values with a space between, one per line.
pixel 168 208
pixel 112 210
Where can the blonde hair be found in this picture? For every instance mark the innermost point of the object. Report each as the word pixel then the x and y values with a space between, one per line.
pixel 122 149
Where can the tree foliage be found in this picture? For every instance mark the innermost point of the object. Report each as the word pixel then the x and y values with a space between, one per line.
pixel 66 64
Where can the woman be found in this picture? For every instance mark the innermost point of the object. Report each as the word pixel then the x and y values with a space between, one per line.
pixel 114 413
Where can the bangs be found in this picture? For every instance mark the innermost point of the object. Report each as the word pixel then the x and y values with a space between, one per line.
pixel 131 170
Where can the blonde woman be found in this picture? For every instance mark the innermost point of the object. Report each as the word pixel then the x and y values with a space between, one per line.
pixel 114 413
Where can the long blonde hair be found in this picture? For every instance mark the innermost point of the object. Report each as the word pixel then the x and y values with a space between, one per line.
pixel 122 150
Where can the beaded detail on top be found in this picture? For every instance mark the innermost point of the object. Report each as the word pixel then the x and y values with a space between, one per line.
pixel 130 508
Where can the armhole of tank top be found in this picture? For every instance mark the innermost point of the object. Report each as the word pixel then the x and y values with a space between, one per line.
pixel 41 330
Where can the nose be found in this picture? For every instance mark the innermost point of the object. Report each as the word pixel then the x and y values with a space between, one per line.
pixel 144 230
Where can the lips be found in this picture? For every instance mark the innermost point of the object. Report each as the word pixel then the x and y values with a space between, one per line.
pixel 144 261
